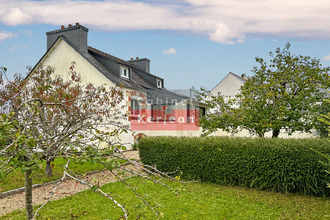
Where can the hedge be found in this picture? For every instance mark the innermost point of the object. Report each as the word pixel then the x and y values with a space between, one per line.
pixel 284 165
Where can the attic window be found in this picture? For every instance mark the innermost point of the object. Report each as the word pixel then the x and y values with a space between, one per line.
pixel 124 72
pixel 159 83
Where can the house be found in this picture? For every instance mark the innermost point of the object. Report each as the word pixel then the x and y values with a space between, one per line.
pixel 145 97
pixel 229 87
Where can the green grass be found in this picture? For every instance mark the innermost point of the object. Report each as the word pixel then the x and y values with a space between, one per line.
pixel 16 178
pixel 206 201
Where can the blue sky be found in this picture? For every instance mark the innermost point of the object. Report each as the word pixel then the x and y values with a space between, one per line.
pixel 189 42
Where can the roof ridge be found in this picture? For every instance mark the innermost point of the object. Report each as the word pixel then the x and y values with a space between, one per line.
pixel 238 76
pixel 109 55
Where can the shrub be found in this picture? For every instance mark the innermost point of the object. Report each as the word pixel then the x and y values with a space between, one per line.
pixel 285 165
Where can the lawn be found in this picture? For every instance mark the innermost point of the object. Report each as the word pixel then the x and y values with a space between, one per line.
pixel 205 201
pixel 16 178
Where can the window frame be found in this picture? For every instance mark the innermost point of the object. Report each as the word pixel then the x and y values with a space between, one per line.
pixel 122 71
pixel 159 83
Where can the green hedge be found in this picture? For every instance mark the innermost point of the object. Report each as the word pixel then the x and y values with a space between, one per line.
pixel 285 165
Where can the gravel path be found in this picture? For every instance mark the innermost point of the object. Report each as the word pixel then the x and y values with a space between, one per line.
pixel 67 188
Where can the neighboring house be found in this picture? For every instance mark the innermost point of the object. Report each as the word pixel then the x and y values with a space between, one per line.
pixel 229 87
pixel 143 91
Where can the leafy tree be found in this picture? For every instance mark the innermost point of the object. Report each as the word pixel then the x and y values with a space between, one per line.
pixel 284 94
pixel 45 117
pixel 324 120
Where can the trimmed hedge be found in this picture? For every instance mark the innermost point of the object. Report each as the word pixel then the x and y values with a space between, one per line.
pixel 285 165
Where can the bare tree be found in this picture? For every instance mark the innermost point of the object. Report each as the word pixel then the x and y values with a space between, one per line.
pixel 48 117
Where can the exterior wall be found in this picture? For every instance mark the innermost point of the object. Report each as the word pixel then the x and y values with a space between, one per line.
pixel 61 58
pixel 228 87
pixel 179 131
pixel 283 134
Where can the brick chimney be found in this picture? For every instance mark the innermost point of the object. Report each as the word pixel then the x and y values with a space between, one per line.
pixel 76 35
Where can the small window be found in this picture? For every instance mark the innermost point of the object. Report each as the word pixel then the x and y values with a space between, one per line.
pixel 135 109
pixel 125 72
pixel 159 83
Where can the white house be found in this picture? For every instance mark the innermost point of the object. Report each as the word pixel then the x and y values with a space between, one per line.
pixel 145 94
pixel 229 87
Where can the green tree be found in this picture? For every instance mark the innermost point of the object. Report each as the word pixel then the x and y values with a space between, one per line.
pixel 285 93
pixel 323 124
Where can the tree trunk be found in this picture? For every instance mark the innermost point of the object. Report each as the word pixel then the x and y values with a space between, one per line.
pixel 276 132
pixel 28 194
pixel 48 169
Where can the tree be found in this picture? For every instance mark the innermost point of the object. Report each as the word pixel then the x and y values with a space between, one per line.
pixel 60 113
pixel 324 120
pixel 47 117
pixel 285 94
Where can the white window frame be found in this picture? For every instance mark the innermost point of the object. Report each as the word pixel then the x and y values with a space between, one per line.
pixel 122 72
pixel 159 83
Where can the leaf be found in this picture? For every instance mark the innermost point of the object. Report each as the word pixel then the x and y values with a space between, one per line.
pixel 94 187
pixel 2 175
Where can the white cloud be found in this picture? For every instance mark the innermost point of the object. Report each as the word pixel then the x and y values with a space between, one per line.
pixel 16 16
pixel 170 51
pixel 225 35
pixel 4 35
pixel 223 21
pixel 326 58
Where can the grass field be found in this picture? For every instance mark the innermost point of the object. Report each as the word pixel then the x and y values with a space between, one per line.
pixel 205 201
pixel 16 178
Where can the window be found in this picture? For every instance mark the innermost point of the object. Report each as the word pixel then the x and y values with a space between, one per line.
pixel 162 112
pixel 201 111
pixel 124 72
pixel 159 83
pixel 135 109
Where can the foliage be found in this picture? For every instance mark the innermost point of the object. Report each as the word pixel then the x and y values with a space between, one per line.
pixel 283 94
pixel 285 165
pixel 205 201
pixel 324 118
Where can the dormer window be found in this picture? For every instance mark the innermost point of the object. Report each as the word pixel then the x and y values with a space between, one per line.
pixel 124 72
pixel 159 83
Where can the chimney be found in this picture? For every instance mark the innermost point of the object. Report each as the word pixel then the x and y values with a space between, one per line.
pixel 76 35
pixel 142 64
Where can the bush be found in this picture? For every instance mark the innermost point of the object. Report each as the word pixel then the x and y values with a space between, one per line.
pixel 285 165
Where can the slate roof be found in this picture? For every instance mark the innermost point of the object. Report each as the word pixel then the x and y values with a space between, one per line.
pixel 164 96
pixel 139 80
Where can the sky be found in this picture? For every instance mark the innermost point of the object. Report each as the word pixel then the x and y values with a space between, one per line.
pixel 189 42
